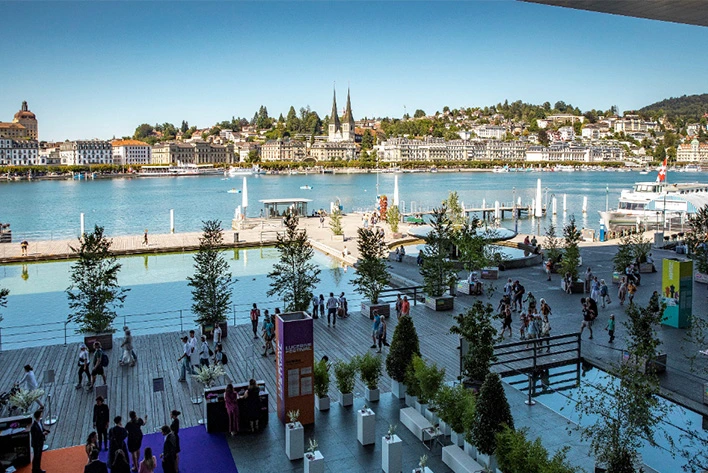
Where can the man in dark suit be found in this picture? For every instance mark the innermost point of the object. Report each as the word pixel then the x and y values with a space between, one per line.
pixel 169 451
pixel 37 436
pixel 95 465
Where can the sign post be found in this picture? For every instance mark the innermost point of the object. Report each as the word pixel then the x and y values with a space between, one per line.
pixel 295 360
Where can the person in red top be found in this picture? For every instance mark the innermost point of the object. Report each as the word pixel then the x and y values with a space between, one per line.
pixel 405 307
pixel 255 313
pixel 231 400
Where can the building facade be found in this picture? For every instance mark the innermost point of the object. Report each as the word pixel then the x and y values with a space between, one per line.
pixel 21 152
pixel 693 152
pixel 283 150
pixel 83 153
pixel 23 125
pixel 129 152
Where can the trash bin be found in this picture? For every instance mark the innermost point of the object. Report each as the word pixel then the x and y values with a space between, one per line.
pixel 235 237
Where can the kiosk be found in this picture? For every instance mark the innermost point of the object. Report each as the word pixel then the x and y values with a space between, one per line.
pixel 215 416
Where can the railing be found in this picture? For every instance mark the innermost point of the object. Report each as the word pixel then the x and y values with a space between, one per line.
pixel 413 292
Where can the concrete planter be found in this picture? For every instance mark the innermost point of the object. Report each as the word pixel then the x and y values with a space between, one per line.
pixel 322 403
pixel 646 268
pixel 420 407
pixel 444 428
pixel 208 330
pixel 372 395
pixel 488 461
pixel 457 439
pixel 440 303
pixel 294 440
pixel 578 287
pixel 411 400
pixel 367 309
pixel 346 399
pixel 398 389
pixel 337 237
pixel 490 273
pixel 470 449
pixel 105 339
pixel 432 416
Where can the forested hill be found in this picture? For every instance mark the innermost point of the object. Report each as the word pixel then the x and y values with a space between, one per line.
pixel 688 107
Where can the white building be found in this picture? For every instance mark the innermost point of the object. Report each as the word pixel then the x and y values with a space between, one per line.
pixel 82 153
pixel 633 123
pixel 20 153
pixel 129 152
pixel 567 133
pixel 491 131
pixel 694 152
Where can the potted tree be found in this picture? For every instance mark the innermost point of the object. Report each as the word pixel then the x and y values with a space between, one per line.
pixel 372 274
pixel 515 453
pixel 211 283
pixel 492 414
pixel 23 399
pixel 335 223
pixel 321 375
pixel 344 376
pixel 370 372
pixel 471 247
pixel 294 276
pixel 452 402
pixel 393 217
pixel 623 258
pixel 438 270
pixel 430 379
pixel 552 247
pixel 477 336
pixel 94 293
pixel 404 346
pixel 571 257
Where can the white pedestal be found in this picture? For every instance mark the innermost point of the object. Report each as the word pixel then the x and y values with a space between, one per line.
pixel 294 441
pixel 346 399
pixel 422 470
pixel 316 465
pixel 322 403
pixel 366 427
pixel 391 454
pixel 371 395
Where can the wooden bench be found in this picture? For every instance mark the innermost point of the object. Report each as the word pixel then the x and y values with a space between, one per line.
pixel 414 421
pixel 458 461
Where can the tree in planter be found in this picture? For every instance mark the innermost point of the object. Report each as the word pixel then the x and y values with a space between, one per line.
pixel 321 375
pixel 294 276
pixel 698 236
pixel 404 346
pixel 552 245
pixel 437 270
pixel 94 293
pixel 335 222
pixel 475 326
pixel 429 378
pixel 451 403
pixel 516 454
pixel 471 247
pixel 211 283
pixel 345 375
pixel 625 254
pixel 455 210
pixel 369 369
pixel 492 414
pixel 372 274
pixel 393 217
pixel 571 254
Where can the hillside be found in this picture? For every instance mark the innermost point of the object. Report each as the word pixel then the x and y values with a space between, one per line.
pixel 689 107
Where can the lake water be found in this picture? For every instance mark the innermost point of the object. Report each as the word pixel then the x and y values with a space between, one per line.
pixel 159 299
pixel 51 209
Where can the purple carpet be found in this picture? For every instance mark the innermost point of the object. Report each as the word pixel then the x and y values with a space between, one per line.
pixel 201 451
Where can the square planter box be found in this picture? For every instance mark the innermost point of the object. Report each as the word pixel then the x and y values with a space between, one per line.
pixel 105 339
pixel 432 416
pixel 372 395
pixel 457 439
pixel 490 273
pixel 411 400
pixel 316 464
pixel 470 449
pixel 440 303
pixel 578 287
pixel 322 403
pixel 346 399
pixel 398 389
pixel 367 309
pixel 294 441
pixel 489 461
pixel 337 237
pixel 646 268
pixel 444 428
pixel 420 407
pixel 366 426
pixel 208 330
pixel 391 454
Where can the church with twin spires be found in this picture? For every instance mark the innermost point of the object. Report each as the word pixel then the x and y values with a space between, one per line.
pixel 341 137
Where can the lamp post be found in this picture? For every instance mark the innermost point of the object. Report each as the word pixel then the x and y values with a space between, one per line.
pixel 607 197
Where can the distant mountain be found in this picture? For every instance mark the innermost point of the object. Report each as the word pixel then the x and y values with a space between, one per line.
pixel 688 107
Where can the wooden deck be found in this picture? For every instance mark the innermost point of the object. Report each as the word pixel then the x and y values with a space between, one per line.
pixel 131 388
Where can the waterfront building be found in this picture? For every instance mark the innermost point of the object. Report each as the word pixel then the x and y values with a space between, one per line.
pixel 693 152
pixel 212 153
pixel 23 125
pixel 328 151
pixel 172 153
pixel 50 153
pixel 283 150
pixel 85 152
pixel 558 152
pixel 243 149
pixel 129 152
pixel 504 150
pixel 19 153
pixel 490 131
pixel 341 136
pixel 634 123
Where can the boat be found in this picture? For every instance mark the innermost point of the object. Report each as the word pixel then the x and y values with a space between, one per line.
pixel 233 191
pixel 692 168
pixel 307 188
pixel 181 169
pixel 234 172
pixel 648 202
pixel 499 169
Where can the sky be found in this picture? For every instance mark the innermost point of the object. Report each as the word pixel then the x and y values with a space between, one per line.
pixel 100 69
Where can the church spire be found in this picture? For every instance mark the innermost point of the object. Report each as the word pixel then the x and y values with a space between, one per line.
pixel 348 117
pixel 334 117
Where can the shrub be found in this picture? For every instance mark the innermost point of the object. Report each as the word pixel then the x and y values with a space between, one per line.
pixel 429 378
pixel 492 414
pixel 404 346
pixel 370 370
pixel 321 379
pixel 345 375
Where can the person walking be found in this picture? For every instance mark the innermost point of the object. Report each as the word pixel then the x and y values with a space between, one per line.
pixel 343 306
pixel 595 289
pixel 83 363
pixel 185 366
pixel 506 313
pixel 95 465
pixel 37 436
pixel 519 292
pixel 588 316
pixel 120 463
pixel 231 400
pixel 145 237
pixel 611 327
pixel 101 418
pixel 622 291
pixel 405 307
pixel 24 246
pixel 204 352
pixel 631 290
pixel 219 356
pixel 193 352
pixel 399 302
pixel 332 304
pixel 91 445
pixel 135 437
pixel 253 404
pixel 604 293
pixel 149 462
pixel 322 306
pixel 588 279
pixel 97 365
pixel 29 382
pixel 315 306
pixel 174 428
pixel 375 328
pixel 169 451
pixel 546 330
pixel 116 440
pixel 217 334
pixel 255 314
pixel 127 346
pixel 268 336
pixel 549 269
pixel 381 334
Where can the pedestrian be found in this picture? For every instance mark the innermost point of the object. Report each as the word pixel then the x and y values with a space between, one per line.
pixel 332 304
pixel 622 291
pixel 549 268
pixel 531 299
pixel 127 345
pixel 545 308
pixel 381 334
pixel 322 219
pixel 268 330
pixel 91 445
pixel 94 464
pixel 204 352
pixel 231 401
pixel 588 316
pixel 24 246
pixel 255 313
pixel 588 279
pixel 322 306
pixel 97 364
pixel 524 326
pixel 149 462
pixel 405 307
pixel 174 428
pixel 145 238
pixel 253 404
pixel 219 356
pixel 38 435
pixel 193 352
pixel 506 311
pixel 533 327
pixel 185 366
pixel 611 327
pixel 375 327
pixel 399 302
pixel 135 436
pixel 419 258
pixel 546 331
pixel 169 451
pixel 631 290
pixel 519 292
pixel 604 293
pixel 28 380
pixel 217 334
pixel 83 366
pixel 118 451
pixel 343 306
pixel 508 288
pixel 315 306
pixel 568 283
pixel 101 418
pixel 595 289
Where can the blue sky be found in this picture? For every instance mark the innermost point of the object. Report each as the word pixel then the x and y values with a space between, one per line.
pixel 100 69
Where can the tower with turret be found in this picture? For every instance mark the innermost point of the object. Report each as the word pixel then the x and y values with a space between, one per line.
pixel 341 130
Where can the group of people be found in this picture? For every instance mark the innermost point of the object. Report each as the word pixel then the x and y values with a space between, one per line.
pixel 252 403
pixel 198 353
pixel 533 318
pixel 379 331
pixel 337 307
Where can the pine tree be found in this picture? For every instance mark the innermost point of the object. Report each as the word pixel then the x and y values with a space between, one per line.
pixel 404 345
pixel 437 270
pixel 571 254
pixel 294 276
pixel 552 245
pixel 492 414
pixel 94 293
pixel 475 326
pixel 372 274
pixel 335 222
pixel 211 282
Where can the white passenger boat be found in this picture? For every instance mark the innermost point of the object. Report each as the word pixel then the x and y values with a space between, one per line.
pixel 179 170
